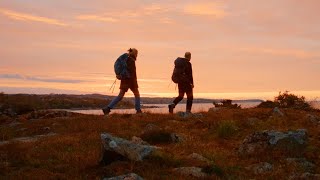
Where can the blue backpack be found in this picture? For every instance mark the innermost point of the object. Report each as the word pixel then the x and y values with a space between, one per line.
pixel 120 67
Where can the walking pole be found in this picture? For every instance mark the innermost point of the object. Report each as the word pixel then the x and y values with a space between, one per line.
pixel 113 84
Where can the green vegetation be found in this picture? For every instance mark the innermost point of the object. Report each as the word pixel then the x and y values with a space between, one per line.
pixel 226 129
pixel 287 100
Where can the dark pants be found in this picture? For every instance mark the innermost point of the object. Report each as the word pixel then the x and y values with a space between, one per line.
pixel 120 96
pixel 189 91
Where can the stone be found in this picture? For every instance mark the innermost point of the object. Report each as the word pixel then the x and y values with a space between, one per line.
pixel 252 121
pixel 303 163
pixel 131 176
pixel 27 139
pixel 189 115
pixel 313 118
pixel 262 141
pixel 115 148
pixel 176 138
pixel 198 157
pixel 191 171
pixel 151 128
pixel 138 140
pixel 261 168
pixel 276 112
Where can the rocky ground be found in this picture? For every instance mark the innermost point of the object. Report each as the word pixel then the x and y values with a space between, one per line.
pixel 257 143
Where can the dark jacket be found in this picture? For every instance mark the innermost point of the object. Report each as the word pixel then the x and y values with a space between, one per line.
pixel 131 82
pixel 186 76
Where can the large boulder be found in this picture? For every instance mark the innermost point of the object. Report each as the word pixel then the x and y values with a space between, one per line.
pixel 258 142
pixel 131 176
pixel 115 148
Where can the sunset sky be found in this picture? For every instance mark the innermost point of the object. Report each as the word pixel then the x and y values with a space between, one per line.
pixel 240 49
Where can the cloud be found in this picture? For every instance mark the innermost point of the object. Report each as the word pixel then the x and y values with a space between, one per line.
pixel 97 18
pixel 206 9
pixel 28 17
pixel 39 79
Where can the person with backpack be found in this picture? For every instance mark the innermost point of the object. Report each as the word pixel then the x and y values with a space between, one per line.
pixel 125 69
pixel 182 75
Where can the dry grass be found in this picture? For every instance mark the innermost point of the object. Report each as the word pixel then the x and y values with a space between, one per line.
pixel 74 152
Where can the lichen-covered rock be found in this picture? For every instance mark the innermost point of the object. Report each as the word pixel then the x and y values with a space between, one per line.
pixel 131 176
pixel 191 171
pixel 189 115
pixel 262 141
pixel 302 163
pixel 276 112
pixel 261 168
pixel 198 157
pixel 313 118
pixel 114 148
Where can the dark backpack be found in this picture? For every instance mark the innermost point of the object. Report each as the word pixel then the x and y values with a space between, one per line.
pixel 120 67
pixel 179 74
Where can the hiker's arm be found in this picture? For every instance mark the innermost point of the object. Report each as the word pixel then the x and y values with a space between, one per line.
pixel 191 76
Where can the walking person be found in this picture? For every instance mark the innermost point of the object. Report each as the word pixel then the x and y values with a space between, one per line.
pixel 182 75
pixel 128 81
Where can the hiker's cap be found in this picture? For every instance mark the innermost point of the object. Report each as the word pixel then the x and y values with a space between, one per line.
pixel 187 55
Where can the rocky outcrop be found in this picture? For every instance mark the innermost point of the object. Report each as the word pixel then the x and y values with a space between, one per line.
pixel 198 157
pixel 189 115
pixel 260 168
pixel 156 135
pixel 276 112
pixel 46 114
pixel 115 148
pixel 191 171
pixel 27 139
pixel 259 142
pixel 131 176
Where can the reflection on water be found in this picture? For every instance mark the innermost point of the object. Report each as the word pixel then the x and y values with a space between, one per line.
pixel 163 108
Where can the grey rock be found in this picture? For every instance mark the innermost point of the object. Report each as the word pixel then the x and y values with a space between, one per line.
pixel 176 138
pixel 46 128
pixel 276 112
pixel 131 176
pixel 151 128
pixel 27 139
pixel 138 140
pixel 313 118
pixel 310 176
pixel 261 168
pixel 198 157
pixel 252 121
pixel 114 148
pixel 303 163
pixel 261 141
pixel 189 115
pixel 14 123
pixel 191 171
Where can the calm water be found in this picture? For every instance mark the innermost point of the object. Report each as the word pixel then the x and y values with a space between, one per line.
pixel 163 108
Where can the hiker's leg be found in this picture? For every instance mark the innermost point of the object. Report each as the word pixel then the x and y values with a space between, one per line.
pixel 180 97
pixel 136 99
pixel 189 100
pixel 117 99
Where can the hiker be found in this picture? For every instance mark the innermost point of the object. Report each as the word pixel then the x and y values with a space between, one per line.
pixel 127 82
pixel 182 75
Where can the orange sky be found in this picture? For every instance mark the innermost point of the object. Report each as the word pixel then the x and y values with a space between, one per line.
pixel 240 49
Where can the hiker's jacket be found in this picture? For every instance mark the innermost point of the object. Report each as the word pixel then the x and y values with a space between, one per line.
pixel 132 81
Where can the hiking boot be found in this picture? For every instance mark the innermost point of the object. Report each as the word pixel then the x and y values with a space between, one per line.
pixel 139 112
pixel 106 111
pixel 171 107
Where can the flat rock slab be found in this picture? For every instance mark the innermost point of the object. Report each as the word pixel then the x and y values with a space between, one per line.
pixel 131 176
pixel 258 142
pixel 115 148
pixel 27 139
pixel 191 171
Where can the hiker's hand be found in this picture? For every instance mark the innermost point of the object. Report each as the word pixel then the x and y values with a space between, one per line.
pixel 192 85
